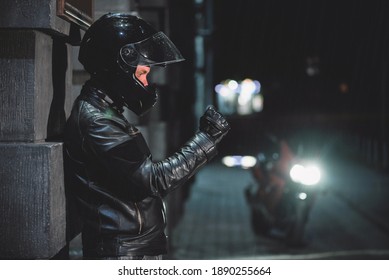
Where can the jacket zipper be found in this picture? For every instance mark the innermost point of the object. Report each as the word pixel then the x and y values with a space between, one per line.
pixel 139 217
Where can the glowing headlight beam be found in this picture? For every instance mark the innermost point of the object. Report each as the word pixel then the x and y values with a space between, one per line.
pixel 307 175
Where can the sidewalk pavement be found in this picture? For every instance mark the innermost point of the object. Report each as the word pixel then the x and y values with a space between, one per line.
pixel 216 221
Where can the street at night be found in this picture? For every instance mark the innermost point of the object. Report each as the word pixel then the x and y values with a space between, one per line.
pixel 347 221
pixel 320 68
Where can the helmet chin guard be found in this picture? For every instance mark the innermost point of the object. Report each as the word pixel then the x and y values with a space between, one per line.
pixel 131 93
pixel 142 99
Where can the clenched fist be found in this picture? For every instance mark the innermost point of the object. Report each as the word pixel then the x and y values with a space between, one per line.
pixel 214 124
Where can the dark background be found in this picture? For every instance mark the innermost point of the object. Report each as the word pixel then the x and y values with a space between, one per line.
pixel 344 44
pixel 323 66
pixel 272 41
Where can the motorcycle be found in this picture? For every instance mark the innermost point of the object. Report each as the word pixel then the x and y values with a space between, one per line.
pixel 283 192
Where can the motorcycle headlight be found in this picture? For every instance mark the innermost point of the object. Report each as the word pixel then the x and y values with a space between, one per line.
pixel 308 175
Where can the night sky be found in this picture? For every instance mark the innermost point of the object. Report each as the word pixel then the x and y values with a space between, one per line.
pixel 343 43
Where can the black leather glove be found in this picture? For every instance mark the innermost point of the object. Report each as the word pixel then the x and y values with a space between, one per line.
pixel 214 124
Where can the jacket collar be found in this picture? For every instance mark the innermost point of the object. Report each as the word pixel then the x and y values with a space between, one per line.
pixel 98 92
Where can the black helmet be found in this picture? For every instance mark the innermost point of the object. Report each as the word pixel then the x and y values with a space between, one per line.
pixel 112 48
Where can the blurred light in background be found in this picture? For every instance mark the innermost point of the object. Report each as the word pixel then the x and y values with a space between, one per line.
pixel 242 98
pixel 244 162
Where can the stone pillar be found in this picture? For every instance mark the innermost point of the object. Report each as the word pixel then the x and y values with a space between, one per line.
pixel 35 77
pixel 32 201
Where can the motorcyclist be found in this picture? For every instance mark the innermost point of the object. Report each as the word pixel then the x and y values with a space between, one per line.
pixel 108 165
pixel 270 171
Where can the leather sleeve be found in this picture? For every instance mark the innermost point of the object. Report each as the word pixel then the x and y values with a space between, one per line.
pixel 127 159
pixel 166 175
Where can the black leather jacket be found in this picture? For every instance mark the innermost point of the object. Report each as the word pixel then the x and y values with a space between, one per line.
pixel 118 187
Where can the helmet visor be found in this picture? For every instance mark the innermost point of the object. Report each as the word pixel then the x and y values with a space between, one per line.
pixel 156 50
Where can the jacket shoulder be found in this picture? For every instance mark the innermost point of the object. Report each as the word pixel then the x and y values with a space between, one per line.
pixel 104 128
